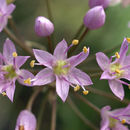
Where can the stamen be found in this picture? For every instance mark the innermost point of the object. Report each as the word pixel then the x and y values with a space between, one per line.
pixel 128 40
pixel 28 81
pixel 85 92
pixel 85 50
pixel 32 63
pixel 4 93
pixel 76 88
pixel 118 71
pixel 117 55
pixel 14 54
pixel 21 127
pixel 75 42
pixel 123 121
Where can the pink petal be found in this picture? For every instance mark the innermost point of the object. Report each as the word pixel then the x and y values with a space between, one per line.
pixel 44 57
pixel 120 126
pixel 10 8
pixel 75 60
pixel 60 49
pixel 45 76
pixel 62 88
pixel 102 60
pixel 10 91
pixel 3 22
pixel 8 50
pixel 106 75
pixel 117 88
pixel 20 60
pixel 23 75
pixel 76 76
pixel 1 59
pixel 105 118
pixel 3 5
pixel 127 60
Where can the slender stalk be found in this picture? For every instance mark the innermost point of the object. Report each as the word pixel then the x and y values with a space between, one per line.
pixel 53 118
pixel 50 44
pixel 87 102
pixel 107 95
pixel 80 115
pixel 95 74
pixel 18 41
pixel 41 112
pixel 33 97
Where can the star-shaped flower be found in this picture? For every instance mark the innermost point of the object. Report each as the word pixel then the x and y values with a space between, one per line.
pixel 10 71
pixel 61 69
pixel 115 70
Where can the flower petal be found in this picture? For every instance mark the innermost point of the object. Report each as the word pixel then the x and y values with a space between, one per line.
pixel 62 88
pixel 10 91
pixel 1 59
pixel 10 8
pixel 116 88
pixel 20 60
pixel 44 57
pixel 105 118
pixel 120 126
pixel 8 50
pixel 102 60
pixel 60 49
pixel 106 75
pixel 75 60
pixel 76 76
pixel 127 60
pixel 45 76
pixel 3 22
pixel 3 5
pixel 24 75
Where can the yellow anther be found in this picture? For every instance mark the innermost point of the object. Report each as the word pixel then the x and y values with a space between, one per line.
pixel 118 71
pixel 128 40
pixel 21 127
pixel 85 50
pixel 4 93
pixel 123 121
pixel 28 81
pixel 85 92
pixel 32 63
pixel 117 55
pixel 14 54
pixel 75 42
pixel 77 88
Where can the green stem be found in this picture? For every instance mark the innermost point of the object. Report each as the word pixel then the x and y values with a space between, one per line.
pixel 18 41
pixel 49 10
pixel 50 44
pixel 80 115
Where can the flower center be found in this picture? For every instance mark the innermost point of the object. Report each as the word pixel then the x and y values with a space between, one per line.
pixel 10 72
pixel 61 68
pixel 116 70
pixel 112 122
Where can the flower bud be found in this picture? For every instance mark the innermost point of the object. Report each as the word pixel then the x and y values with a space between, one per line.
pixel 93 3
pixel 43 26
pixel 26 121
pixel 95 18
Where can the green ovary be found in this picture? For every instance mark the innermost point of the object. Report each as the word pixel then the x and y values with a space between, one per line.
pixel 112 122
pixel 115 67
pixel 59 68
pixel 10 72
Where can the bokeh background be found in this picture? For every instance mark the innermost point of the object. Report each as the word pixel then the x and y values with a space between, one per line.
pixel 68 16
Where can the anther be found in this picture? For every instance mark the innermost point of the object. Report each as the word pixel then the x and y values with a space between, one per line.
pixel 117 55
pixel 28 81
pixel 85 50
pixel 128 40
pixel 123 121
pixel 14 54
pixel 76 88
pixel 85 92
pixel 4 93
pixel 32 63
pixel 118 71
pixel 75 42
pixel 21 127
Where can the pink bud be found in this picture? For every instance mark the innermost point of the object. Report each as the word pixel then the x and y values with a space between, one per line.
pixel 43 26
pixel 95 18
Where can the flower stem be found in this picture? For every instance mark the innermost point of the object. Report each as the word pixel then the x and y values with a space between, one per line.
pixel 80 115
pixel 53 118
pixel 18 41
pixel 107 95
pixel 50 44
pixel 87 102
pixel 33 97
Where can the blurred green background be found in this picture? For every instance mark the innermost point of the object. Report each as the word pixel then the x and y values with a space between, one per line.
pixel 68 16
